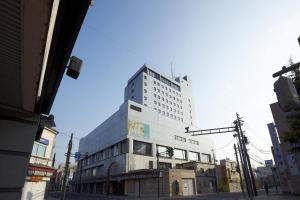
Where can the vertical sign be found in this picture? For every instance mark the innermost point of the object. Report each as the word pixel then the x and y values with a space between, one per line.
pixel 277 150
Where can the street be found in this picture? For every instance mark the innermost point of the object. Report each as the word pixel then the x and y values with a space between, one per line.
pixel 220 196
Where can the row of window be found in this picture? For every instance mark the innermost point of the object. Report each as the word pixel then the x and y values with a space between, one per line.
pixel 91 172
pixel 144 148
pixel 167 94
pixel 168 114
pixel 167 107
pixel 167 101
pixel 114 150
pixel 163 80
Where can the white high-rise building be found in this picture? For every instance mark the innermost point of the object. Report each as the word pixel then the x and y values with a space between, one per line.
pixel 153 117
pixel 169 97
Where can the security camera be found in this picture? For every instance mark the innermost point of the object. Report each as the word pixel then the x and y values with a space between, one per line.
pixel 74 67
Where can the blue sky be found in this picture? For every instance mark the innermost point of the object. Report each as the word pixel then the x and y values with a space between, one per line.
pixel 229 50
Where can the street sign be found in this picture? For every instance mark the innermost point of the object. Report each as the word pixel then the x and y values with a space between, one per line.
pixel 77 155
pixel 269 163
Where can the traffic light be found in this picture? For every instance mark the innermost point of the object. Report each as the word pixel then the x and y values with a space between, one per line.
pixel 286 93
pixel 170 152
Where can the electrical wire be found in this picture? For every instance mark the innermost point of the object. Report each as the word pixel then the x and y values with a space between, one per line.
pixel 256 160
pixel 260 150
pixel 223 147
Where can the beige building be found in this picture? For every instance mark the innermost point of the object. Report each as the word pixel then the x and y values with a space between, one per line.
pixel 205 176
pixel 228 177
pixel 40 166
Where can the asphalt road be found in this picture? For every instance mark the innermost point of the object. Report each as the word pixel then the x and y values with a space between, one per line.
pixel 221 196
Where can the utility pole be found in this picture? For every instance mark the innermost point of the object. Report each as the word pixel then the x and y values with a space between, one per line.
pixel 243 157
pixel 215 170
pixel 251 173
pixel 158 173
pixel 63 194
pixel 238 165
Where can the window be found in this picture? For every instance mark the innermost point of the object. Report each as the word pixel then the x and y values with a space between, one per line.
pixel 132 97
pixel 133 107
pixel 158 90
pixel 162 151
pixel 145 84
pixel 145 77
pixel 94 171
pixel 194 156
pixel 158 96
pixel 163 105
pixel 154 82
pixel 158 103
pixel 145 98
pixel 155 102
pixel 124 147
pixel 159 111
pixel 164 165
pixel 180 154
pixel 150 164
pixel 154 88
pixel 163 112
pixel 145 91
pixel 38 150
pixel 158 84
pixel 142 148
pixel 154 95
pixel 163 99
pixel 132 90
pixel 205 158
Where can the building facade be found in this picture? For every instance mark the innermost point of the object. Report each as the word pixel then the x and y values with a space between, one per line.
pixel 154 115
pixel 228 177
pixel 205 175
pixel 40 166
pixel 287 163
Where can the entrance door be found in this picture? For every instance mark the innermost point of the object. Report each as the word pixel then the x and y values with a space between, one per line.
pixel 188 187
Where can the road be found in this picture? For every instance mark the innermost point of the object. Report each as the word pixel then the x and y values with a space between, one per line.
pixel 221 196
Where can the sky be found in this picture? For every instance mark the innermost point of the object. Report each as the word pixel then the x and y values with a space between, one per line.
pixel 229 49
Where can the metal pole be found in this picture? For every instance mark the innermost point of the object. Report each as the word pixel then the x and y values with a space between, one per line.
pixel 158 174
pixel 63 195
pixel 251 173
pixel 215 170
pixel 238 165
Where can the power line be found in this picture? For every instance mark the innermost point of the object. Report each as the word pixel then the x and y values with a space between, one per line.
pixel 226 145
pixel 260 150
pixel 68 135
pixel 256 160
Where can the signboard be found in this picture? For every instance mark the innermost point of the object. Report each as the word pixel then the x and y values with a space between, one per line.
pixel 36 178
pixel 269 163
pixel 276 146
pixel 138 129
pixel 44 141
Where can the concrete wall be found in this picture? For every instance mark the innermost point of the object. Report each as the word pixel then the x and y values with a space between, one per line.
pixel 290 179
pixel 16 144
pixel 34 190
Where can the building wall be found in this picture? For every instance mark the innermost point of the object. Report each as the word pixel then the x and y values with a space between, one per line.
pixel 34 190
pixel 291 176
pixel 149 88
pixel 35 184
pixel 228 177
